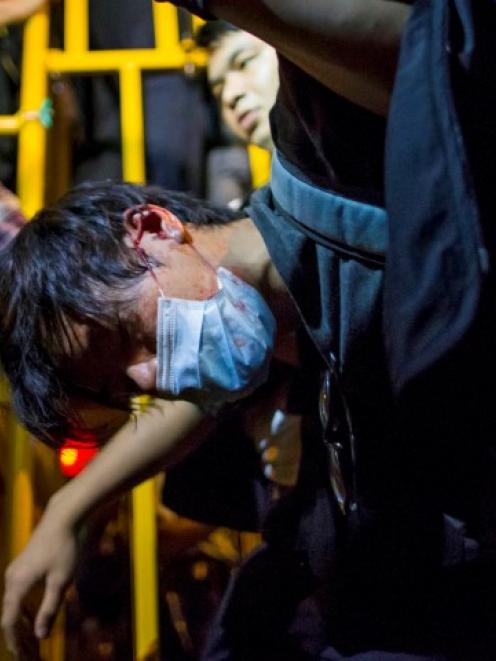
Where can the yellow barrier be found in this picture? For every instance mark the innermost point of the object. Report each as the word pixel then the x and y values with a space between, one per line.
pixel 260 160
pixel 76 27
pixel 32 136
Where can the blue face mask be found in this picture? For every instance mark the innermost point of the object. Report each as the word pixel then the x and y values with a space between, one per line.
pixel 217 350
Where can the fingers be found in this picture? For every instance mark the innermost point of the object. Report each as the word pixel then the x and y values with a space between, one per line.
pixel 15 590
pixel 14 593
pixel 49 607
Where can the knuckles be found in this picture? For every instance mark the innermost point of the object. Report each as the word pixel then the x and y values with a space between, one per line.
pixel 15 577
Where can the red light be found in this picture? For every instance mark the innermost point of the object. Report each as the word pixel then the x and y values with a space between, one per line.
pixel 69 456
pixel 76 453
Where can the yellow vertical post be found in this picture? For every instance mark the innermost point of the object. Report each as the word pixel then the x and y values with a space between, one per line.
pixel 76 26
pixel 17 506
pixel 166 25
pixel 143 528
pixel 32 136
pixel 260 165
pixel 20 493
pixel 132 124
pixel 145 574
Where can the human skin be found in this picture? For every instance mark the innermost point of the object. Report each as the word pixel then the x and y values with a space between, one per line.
pixel 8 199
pixel 12 11
pixel 11 217
pixel 243 77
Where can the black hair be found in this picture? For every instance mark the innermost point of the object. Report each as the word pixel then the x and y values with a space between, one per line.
pixel 71 263
pixel 211 32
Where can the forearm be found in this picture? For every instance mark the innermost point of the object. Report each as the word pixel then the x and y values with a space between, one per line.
pixel 351 46
pixel 156 438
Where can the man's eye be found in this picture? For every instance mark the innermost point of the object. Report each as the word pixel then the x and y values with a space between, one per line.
pixel 245 61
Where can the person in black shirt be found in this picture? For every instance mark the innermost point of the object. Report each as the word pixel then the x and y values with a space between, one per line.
pixel 409 533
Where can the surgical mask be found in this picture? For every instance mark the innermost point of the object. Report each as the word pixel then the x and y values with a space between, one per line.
pixel 216 350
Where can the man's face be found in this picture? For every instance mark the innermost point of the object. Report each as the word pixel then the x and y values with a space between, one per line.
pixel 243 75
pixel 107 365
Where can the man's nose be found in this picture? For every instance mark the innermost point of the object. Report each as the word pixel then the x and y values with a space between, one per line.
pixel 234 90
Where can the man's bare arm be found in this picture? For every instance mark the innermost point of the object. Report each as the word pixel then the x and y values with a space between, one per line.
pixel 157 437
pixel 160 435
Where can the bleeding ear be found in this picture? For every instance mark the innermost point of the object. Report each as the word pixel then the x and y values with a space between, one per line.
pixel 151 218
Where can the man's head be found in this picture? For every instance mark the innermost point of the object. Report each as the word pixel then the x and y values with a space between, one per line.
pixel 243 76
pixel 78 304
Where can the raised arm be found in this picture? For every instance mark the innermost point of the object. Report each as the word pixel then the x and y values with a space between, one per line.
pixel 351 46
pixel 157 437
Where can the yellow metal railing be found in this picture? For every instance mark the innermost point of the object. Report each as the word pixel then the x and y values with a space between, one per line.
pixel 260 160
pixel 32 136
pixel 39 62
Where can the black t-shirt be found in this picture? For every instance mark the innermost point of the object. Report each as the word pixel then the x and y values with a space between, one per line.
pixel 329 140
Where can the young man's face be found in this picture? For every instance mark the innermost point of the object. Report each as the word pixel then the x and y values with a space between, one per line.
pixel 243 75
pixel 108 365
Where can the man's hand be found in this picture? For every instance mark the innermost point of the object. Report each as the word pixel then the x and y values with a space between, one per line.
pixel 50 556
pixel 12 11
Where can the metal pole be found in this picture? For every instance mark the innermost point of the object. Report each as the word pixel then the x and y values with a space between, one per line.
pixel 143 499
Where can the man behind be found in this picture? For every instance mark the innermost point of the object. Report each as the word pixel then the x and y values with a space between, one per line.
pixel 243 78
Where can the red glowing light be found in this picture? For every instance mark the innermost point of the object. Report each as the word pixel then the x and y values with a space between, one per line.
pixel 77 452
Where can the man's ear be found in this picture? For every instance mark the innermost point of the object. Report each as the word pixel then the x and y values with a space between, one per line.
pixel 151 219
